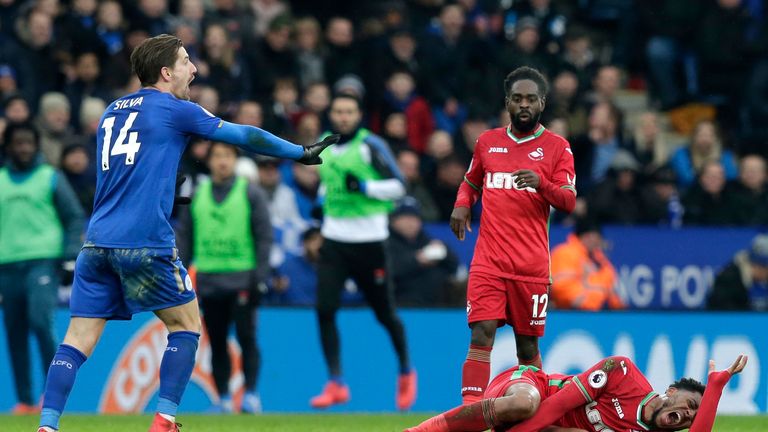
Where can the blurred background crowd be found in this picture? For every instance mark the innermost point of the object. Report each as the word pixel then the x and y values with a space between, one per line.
pixel 665 102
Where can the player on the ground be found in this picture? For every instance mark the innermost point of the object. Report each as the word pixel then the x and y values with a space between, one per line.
pixel 612 395
pixel 129 262
pixel 521 170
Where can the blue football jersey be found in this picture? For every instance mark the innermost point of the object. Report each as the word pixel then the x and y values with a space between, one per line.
pixel 140 141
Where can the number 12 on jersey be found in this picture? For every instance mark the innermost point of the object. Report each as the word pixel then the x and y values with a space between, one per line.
pixel 540 305
pixel 129 149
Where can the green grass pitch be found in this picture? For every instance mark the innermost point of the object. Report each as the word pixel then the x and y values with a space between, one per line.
pixel 287 423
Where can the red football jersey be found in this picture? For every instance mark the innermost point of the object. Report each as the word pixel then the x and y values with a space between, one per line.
pixel 615 393
pixel 513 241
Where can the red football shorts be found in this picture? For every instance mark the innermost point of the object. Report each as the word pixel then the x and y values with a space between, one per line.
pixel 499 385
pixel 523 305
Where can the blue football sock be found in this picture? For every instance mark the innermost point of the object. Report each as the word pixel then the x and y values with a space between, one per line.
pixel 175 369
pixel 61 378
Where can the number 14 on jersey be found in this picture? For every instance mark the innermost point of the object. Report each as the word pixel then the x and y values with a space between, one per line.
pixel 129 149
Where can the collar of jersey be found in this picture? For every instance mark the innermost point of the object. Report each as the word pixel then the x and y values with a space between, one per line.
pixel 527 138
pixel 645 400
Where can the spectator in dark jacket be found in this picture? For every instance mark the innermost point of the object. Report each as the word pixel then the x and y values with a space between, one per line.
pixel 343 53
pixel 80 170
pixel 661 199
pixel 408 162
pixel 616 199
pixel 749 192
pixel 272 58
pixel 448 175
pixel 445 57
pixel 421 267
pixel 38 53
pixel 594 151
pixel 524 50
pixel 401 97
pixel 743 283
pixel 706 203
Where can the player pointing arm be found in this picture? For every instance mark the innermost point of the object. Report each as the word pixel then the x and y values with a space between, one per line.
pixel 257 140
pixel 129 262
pixel 191 118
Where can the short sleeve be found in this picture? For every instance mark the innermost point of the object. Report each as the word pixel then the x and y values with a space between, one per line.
pixel 191 118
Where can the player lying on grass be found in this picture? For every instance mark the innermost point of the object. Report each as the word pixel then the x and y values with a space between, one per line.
pixel 612 395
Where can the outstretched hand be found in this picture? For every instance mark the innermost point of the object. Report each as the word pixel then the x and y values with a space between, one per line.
pixel 736 367
pixel 312 153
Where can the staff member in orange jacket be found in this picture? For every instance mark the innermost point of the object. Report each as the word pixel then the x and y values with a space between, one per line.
pixel 583 277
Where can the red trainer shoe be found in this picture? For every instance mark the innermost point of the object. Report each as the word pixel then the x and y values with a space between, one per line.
pixel 406 390
pixel 333 393
pixel 161 424
pixel 25 409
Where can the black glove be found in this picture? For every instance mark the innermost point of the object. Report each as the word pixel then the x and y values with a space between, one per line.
pixel 353 183
pixel 180 200
pixel 312 153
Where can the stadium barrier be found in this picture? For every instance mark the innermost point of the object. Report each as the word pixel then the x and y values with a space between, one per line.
pixel 659 268
pixel 121 376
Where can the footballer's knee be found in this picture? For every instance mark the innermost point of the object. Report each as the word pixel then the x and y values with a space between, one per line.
pixel 483 333
pixel 84 333
pixel 521 401
pixel 185 317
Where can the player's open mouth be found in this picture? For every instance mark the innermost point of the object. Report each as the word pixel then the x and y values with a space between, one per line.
pixel 673 417
pixel 523 116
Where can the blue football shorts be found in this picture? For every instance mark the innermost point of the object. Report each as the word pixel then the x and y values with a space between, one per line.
pixel 117 283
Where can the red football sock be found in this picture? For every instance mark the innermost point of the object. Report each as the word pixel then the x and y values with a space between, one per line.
pixel 476 417
pixel 476 373
pixel 536 361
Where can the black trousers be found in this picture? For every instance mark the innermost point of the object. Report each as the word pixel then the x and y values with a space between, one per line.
pixel 366 264
pixel 220 311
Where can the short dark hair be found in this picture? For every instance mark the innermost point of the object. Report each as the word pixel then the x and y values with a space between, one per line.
pixel 689 384
pixel 152 55
pixel 347 96
pixel 526 73
pixel 12 128
pixel 221 144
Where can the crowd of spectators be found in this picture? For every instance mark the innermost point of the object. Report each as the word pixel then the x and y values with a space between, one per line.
pixel 430 74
